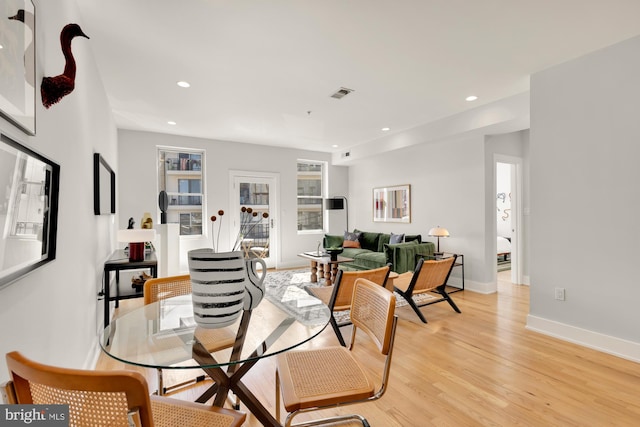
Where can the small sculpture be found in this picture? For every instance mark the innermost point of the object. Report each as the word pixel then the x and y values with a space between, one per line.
pixel 131 222
pixel 53 89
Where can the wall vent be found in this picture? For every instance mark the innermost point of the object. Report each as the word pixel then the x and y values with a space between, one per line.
pixel 341 93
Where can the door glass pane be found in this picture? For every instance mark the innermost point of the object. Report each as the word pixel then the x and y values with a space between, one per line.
pixel 254 220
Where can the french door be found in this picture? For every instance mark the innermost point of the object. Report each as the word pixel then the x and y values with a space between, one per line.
pixel 255 223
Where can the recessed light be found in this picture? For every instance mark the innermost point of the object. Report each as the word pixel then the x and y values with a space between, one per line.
pixel 172 123
pixel 335 146
pixel 183 84
pixel 385 129
pixel 471 98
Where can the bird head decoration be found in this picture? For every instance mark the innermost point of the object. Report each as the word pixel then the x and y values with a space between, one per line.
pixel 53 89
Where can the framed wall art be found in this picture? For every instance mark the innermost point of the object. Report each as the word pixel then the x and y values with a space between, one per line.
pixel 17 67
pixel 392 204
pixel 104 186
pixel 28 210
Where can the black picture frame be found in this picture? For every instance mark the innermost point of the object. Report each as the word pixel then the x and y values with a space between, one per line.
pixel 104 187
pixel 29 208
pixel 18 77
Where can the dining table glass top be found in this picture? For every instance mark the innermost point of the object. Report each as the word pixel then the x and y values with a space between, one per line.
pixel 164 334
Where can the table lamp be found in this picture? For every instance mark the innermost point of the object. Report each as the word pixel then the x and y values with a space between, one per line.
pixel 438 232
pixel 136 238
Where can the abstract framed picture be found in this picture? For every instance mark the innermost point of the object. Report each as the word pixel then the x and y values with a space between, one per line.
pixel 17 64
pixel 392 204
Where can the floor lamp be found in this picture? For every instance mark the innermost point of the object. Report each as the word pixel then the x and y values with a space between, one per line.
pixel 337 203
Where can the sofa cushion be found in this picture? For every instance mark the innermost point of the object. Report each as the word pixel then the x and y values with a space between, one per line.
pixel 369 240
pixel 333 241
pixel 403 255
pixel 382 240
pixel 396 238
pixel 354 253
pixel 370 260
pixel 411 237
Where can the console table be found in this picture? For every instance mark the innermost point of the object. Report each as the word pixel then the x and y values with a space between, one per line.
pixel 118 261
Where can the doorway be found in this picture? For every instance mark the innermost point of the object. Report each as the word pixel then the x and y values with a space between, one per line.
pixel 508 190
pixel 254 201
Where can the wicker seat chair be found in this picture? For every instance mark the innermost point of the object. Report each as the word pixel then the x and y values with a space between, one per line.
pixel 338 296
pixel 100 398
pixel 428 276
pixel 322 378
pixel 212 339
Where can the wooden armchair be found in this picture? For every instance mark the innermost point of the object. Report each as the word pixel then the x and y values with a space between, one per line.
pixel 212 339
pixel 338 296
pixel 429 276
pixel 310 380
pixel 100 398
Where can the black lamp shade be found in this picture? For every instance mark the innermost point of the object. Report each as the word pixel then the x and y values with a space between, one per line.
pixel 334 204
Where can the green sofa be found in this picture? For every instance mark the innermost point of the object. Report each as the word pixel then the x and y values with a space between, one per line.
pixel 375 251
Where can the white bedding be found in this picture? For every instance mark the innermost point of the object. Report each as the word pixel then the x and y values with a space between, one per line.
pixel 504 245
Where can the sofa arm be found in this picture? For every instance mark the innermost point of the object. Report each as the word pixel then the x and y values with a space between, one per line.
pixel 403 255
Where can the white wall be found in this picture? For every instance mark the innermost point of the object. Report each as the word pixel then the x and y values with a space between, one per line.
pixel 138 191
pixel 447 189
pixel 585 130
pixel 52 315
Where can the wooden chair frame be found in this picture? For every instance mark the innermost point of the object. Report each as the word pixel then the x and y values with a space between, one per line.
pixel 338 296
pixel 172 286
pixel 423 280
pixel 36 383
pixel 373 312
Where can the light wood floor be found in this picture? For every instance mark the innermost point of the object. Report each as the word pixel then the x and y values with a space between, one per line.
pixel 479 368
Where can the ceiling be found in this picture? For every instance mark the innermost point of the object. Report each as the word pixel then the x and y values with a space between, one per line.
pixel 263 72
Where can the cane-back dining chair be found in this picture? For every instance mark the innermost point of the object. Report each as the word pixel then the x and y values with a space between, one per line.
pixel 101 398
pixel 212 339
pixel 338 296
pixel 320 378
pixel 428 276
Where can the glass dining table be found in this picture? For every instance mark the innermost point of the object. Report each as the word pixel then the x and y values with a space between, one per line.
pixel 164 335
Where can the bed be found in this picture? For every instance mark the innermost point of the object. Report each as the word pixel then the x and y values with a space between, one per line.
pixel 504 247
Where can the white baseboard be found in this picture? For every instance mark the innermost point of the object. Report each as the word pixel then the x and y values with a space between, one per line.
pixel 470 285
pixel 92 358
pixel 605 343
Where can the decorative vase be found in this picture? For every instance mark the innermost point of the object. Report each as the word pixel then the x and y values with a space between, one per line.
pixel 218 281
pixel 254 287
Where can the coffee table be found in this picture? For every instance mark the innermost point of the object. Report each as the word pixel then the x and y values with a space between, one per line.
pixel 323 265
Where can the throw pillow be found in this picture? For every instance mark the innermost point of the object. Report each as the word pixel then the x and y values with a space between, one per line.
pixel 354 237
pixel 396 238
pixel 351 244
pixel 332 241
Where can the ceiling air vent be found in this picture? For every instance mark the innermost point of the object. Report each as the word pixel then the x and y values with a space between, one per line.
pixel 342 92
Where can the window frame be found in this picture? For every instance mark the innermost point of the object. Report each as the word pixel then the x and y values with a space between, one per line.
pixel 322 181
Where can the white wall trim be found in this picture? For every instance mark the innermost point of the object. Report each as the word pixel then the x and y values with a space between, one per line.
pixel 473 286
pixel 91 361
pixel 594 340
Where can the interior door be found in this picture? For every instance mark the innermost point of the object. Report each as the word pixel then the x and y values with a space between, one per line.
pixel 255 201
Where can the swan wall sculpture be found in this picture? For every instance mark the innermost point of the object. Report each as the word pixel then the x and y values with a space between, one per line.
pixel 53 89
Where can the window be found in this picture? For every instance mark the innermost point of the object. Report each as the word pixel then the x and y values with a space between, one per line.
pixel 310 195
pixel 180 175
